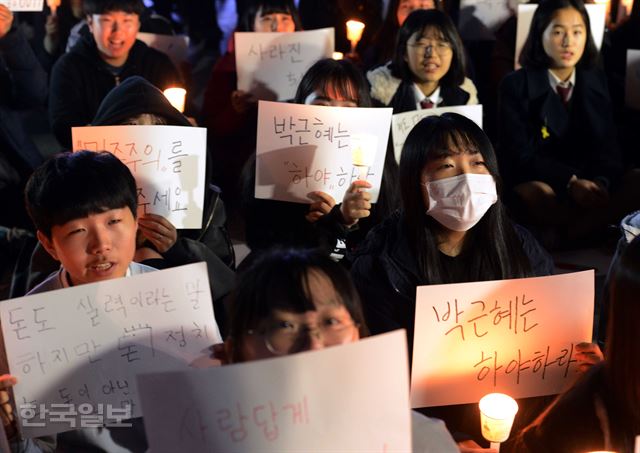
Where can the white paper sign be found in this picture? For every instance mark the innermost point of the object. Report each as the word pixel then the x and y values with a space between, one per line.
pixel 489 14
pixel 597 14
pixel 24 5
pixel 85 344
pixel 168 163
pixel 270 65
pixel 511 336
pixel 346 398
pixel 632 79
pixel 175 46
pixel 402 123
pixel 303 148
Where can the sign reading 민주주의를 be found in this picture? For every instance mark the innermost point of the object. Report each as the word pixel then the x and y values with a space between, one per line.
pixel 304 148
pixel 510 336
pixel 168 163
pixel 76 351
pixel 352 397
pixel 270 65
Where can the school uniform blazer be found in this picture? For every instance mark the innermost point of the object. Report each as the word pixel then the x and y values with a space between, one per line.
pixel 542 140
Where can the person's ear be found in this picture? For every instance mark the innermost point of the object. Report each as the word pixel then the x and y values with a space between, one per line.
pixel 89 19
pixel 47 244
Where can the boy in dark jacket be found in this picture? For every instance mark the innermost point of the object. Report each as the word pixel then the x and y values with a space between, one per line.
pixel 82 78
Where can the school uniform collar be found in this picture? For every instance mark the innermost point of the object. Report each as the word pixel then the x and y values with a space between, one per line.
pixel 554 81
pixel 420 96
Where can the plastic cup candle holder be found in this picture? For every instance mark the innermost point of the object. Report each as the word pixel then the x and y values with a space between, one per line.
pixel 497 412
pixel 354 33
pixel 363 153
pixel 176 97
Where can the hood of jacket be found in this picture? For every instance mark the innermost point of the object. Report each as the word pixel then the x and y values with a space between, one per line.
pixel 133 97
pixel 383 84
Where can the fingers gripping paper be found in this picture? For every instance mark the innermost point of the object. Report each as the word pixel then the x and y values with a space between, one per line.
pixel 303 148
pixel 76 351
pixel 511 336
pixel 346 398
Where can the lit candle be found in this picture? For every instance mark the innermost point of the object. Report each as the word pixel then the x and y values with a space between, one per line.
pixel 354 33
pixel 176 97
pixel 363 153
pixel 497 412
pixel 53 5
pixel 337 55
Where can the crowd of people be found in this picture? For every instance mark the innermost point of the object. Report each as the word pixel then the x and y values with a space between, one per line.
pixel 554 168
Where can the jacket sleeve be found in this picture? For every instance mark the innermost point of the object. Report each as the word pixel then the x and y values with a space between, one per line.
pixel 540 260
pixel 67 108
pixel 217 113
pixel 27 79
pixel 519 140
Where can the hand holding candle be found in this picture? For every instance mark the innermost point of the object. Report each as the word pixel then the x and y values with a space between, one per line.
pixel 363 153
pixel 354 33
pixel 176 97
pixel 497 412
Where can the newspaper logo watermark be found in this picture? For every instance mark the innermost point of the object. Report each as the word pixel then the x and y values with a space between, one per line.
pixel 84 415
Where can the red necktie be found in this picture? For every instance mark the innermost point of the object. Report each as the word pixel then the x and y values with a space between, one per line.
pixel 564 93
pixel 427 104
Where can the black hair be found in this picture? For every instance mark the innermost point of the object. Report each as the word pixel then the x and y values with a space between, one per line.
pixel 622 362
pixel 533 55
pixel 278 279
pixel 493 247
pixel 417 22
pixel 74 185
pixel 248 16
pixel 386 38
pixel 339 76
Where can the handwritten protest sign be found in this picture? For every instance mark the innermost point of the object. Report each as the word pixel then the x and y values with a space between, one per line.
pixel 311 401
pixel 632 79
pixel 597 13
pixel 402 123
pixel 168 163
pixel 302 148
pixel 270 65
pixel 510 336
pixel 76 351
pixel 175 46
pixel 23 5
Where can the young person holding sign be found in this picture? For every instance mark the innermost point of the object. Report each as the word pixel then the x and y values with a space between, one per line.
pixel 291 301
pixel 322 223
pixel 558 146
pixel 452 228
pixel 427 69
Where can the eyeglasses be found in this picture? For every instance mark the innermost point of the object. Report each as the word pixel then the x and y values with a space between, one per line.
pixel 438 46
pixel 286 336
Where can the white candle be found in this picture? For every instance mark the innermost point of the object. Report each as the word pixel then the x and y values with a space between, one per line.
pixel 497 412
pixel 363 152
pixel 337 55
pixel 176 97
pixel 53 5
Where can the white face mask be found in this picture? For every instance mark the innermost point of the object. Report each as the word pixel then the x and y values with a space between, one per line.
pixel 459 202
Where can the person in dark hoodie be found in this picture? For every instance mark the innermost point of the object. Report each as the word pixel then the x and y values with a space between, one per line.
pixel 81 78
pixel 136 102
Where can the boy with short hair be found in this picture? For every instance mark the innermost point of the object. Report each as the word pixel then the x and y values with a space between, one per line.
pixel 81 78
pixel 84 208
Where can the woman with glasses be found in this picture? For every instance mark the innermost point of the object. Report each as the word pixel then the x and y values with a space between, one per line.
pixel 291 301
pixel 427 69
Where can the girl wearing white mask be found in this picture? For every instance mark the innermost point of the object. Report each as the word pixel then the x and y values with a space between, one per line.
pixel 452 228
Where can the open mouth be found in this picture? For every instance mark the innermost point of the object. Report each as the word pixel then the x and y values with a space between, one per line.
pixel 430 66
pixel 101 267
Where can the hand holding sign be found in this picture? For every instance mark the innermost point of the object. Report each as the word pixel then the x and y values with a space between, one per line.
pixel 6 409
pixel 323 204
pixel 159 231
